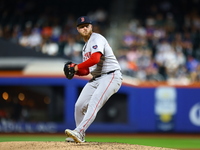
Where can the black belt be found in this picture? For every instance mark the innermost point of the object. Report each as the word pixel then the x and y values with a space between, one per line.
pixel 101 75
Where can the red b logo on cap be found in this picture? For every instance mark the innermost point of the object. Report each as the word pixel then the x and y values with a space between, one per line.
pixel 82 19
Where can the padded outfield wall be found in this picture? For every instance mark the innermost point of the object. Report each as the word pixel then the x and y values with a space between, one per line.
pixel 155 108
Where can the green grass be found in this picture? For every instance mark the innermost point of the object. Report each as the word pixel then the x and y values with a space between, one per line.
pixel 147 141
pixel 157 142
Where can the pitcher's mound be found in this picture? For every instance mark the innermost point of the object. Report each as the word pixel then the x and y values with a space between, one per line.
pixel 74 146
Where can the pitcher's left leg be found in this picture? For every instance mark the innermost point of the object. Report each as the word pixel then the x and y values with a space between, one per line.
pixel 107 86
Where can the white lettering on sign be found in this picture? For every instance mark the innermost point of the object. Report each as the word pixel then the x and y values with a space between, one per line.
pixel 9 126
pixel 194 114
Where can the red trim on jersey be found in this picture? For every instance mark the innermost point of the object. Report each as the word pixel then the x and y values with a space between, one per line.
pixel 93 60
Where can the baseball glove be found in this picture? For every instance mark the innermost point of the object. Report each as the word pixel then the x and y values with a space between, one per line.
pixel 69 70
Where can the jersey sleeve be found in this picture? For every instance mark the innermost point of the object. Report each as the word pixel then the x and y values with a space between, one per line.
pixel 94 59
pixel 98 45
pixel 83 72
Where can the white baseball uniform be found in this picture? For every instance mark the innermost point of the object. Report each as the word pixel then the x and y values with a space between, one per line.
pixel 106 81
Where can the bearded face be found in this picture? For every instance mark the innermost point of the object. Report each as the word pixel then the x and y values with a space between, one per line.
pixel 85 30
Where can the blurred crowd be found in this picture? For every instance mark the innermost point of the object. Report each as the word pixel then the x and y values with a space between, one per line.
pixel 46 26
pixel 159 43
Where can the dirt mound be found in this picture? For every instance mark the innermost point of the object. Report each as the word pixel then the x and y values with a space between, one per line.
pixel 74 146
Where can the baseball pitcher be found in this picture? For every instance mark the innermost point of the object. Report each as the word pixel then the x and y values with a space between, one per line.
pixel 100 61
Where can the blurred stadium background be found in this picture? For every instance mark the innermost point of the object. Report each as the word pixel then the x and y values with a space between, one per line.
pixel 157 44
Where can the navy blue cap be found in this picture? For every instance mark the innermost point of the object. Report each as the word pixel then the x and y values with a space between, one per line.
pixel 83 20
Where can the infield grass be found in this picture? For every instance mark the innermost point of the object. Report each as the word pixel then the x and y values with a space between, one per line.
pixel 175 142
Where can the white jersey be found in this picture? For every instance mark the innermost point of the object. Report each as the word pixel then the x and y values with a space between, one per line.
pixel 108 62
